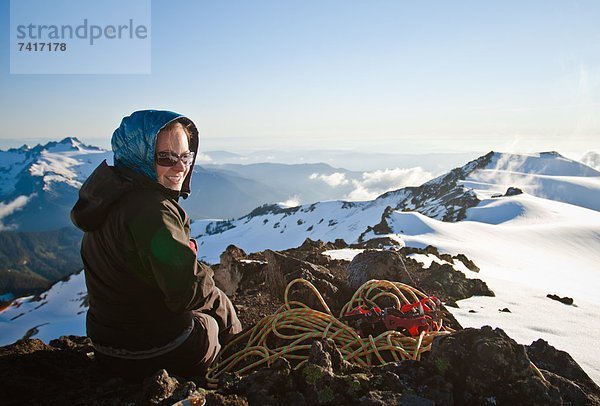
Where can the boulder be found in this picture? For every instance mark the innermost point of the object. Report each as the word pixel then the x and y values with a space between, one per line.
pixel 236 270
pixel 158 388
pixel 449 284
pixel 552 361
pixel 467 262
pixel 377 265
pixel 282 269
pixel 379 243
pixel 565 300
pixel 513 191
pixel 486 366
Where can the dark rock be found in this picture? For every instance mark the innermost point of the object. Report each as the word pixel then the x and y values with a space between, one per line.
pixel 189 391
pixel 213 399
pixel 158 388
pixel 340 243
pixel 320 357
pixel 325 354
pixel 378 243
pixel 513 191
pixel 385 398
pixel 452 303
pixel 312 251
pixel 380 228
pixel 267 385
pixel 430 249
pixel 570 391
pixel 32 372
pixel 28 346
pixel 312 245
pixel 383 227
pixel 76 343
pixel 505 310
pixel 282 269
pixel 237 270
pixel 468 263
pixel 369 265
pixel 443 280
pixel 548 358
pixel 469 367
pixel 486 365
pixel 566 300
pixel 447 283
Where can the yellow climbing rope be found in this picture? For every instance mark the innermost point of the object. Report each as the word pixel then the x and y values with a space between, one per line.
pixel 289 332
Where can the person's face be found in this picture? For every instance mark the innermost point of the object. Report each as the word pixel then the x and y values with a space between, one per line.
pixel 176 142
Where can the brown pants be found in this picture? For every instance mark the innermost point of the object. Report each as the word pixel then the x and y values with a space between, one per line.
pixel 215 323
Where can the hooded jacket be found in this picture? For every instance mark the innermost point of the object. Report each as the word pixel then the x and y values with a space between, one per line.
pixel 143 278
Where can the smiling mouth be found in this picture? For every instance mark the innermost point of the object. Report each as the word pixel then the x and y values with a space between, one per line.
pixel 175 179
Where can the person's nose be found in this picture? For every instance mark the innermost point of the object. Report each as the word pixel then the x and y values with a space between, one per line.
pixel 180 166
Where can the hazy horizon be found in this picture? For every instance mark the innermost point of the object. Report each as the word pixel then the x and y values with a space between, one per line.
pixel 386 76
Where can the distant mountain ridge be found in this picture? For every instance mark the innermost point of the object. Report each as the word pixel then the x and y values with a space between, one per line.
pixel 39 185
pixel 48 176
pixel 447 198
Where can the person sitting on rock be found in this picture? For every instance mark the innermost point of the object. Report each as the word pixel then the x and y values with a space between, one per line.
pixel 152 305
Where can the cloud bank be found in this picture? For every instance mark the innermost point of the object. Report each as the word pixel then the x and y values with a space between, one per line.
pixel 333 180
pixel 373 184
pixel 7 209
pixel 378 182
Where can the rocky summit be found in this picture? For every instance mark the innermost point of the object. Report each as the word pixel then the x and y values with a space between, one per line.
pixel 468 367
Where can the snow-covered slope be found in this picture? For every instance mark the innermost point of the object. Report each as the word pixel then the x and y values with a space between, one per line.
pixel 526 247
pixel 59 311
pixel 40 184
pixel 278 227
pixel 548 175
pixel 447 197
pixel 544 163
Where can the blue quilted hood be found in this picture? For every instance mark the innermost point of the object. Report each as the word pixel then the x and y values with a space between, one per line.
pixel 134 141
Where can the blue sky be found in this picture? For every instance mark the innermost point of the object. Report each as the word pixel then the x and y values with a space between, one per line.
pixel 369 75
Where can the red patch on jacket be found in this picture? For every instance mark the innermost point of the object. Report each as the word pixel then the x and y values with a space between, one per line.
pixel 194 246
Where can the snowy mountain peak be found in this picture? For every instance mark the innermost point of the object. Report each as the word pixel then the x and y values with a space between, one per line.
pixel 549 163
pixel 445 197
pixel 551 153
pixel 40 184
pixel 68 144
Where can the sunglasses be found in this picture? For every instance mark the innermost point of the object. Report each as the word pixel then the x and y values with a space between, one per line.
pixel 168 158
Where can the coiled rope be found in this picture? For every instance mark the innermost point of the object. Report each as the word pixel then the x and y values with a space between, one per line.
pixel 289 332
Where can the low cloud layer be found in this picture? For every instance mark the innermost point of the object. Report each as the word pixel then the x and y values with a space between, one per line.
pixel 373 184
pixel 203 158
pixel 378 182
pixel 333 180
pixel 7 209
